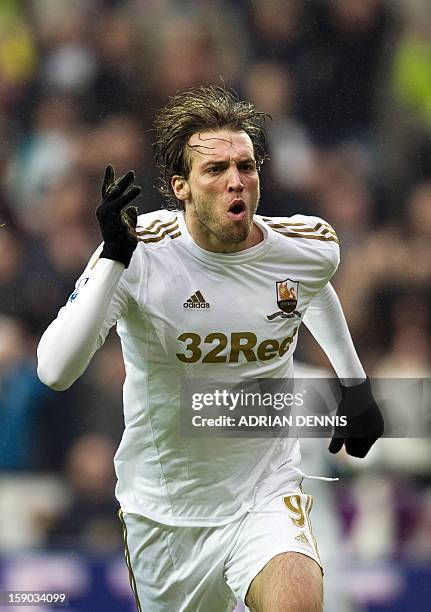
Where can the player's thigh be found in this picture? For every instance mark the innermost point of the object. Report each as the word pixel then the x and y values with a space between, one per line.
pixel 150 565
pixel 278 524
pixel 177 569
pixel 290 581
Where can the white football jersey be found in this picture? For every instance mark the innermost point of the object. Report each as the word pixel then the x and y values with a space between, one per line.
pixel 182 313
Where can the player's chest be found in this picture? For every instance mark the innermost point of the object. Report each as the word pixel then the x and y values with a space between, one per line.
pixel 263 298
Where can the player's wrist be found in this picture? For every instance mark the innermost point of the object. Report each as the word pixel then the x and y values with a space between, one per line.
pixel 353 381
pixel 118 252
pixel 358 394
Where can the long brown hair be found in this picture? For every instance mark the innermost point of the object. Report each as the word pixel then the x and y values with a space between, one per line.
pixel 205 108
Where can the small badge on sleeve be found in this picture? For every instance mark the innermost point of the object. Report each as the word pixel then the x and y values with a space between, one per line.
pixel 79 285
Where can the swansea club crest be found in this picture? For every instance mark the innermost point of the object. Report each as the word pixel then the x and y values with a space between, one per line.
pixel 287 295
pixel 287 299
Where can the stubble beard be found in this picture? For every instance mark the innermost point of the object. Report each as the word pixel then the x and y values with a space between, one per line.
pixel 229 232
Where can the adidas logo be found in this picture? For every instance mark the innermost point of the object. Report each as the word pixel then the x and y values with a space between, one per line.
pixel 196 301
pixel 303 539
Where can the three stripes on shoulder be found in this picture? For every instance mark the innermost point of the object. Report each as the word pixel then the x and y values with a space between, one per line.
pixel 157 230
pixel 319 231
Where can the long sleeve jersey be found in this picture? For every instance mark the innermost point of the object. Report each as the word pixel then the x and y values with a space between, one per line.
pixel 184 313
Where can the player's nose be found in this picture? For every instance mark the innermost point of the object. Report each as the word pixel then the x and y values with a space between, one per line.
pixel 235 183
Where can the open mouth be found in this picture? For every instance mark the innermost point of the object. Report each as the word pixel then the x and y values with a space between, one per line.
pixel 237 210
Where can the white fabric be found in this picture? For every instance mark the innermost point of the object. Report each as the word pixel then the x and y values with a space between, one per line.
pixel 205 569
pixel 325 320
pixel 69 343
pixel 162 474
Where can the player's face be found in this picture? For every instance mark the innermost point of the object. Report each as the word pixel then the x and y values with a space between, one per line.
pixel 221 193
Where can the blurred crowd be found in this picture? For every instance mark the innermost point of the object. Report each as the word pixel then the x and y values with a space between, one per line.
pixel 348 86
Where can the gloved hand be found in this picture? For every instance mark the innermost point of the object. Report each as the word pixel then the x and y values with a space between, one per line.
pixel 364 421
pixel 115 220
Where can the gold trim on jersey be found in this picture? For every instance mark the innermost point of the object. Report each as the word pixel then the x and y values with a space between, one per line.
pixel 132 579
pixel 308 507
pixel 150 229
pixel 170 228
pixel 320 231
pixel 278 225
pixel 326 229
pixel 304 229
pixel 162 235
pixel 153 223
pixel 310 237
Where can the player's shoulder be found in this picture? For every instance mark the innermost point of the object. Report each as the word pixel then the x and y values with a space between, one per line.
pixel 303 227
pixel 157 226
pixel 314 237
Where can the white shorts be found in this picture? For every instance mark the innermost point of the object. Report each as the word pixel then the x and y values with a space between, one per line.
pixel 206 569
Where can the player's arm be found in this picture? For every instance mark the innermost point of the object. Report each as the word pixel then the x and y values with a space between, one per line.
pixel 325 320
pixel 71 340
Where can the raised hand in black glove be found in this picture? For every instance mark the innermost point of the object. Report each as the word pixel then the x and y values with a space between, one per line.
pixel 115 220
pixel 364 421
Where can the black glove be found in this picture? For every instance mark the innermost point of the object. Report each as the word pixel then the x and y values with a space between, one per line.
pixel 364 421
pixel 117 222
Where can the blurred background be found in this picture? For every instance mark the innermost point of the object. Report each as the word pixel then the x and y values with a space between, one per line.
pixel 348 86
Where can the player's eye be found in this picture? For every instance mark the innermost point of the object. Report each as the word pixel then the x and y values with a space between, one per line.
pixel 247 167
pixel 214 169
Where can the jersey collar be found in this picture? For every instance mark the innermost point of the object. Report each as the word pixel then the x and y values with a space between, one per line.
pixel 229 258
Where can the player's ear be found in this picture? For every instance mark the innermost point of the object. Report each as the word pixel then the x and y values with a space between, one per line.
pixel 180 187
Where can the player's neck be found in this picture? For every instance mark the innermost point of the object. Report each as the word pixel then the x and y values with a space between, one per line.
pixel 208 241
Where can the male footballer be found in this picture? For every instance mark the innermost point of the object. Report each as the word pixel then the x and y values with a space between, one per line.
pixel 209 289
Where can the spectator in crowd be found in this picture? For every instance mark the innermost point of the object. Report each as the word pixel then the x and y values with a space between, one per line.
pixel 89 520
pixel 21 399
